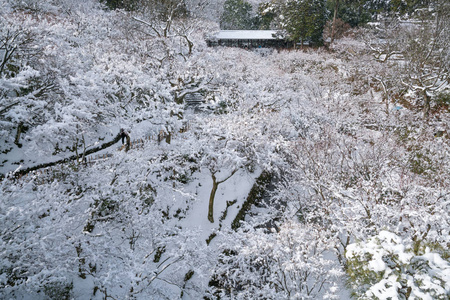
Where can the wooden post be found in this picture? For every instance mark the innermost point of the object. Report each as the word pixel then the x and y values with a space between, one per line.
pixel 126 136
pixel 160 136
pixel 18 133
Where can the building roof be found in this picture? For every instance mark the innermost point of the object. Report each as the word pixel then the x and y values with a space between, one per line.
pixel 247 35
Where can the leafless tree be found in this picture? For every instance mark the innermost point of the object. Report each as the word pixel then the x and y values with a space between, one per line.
pixel 419 49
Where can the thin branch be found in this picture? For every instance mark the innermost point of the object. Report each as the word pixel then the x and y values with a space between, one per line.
pixel 149 25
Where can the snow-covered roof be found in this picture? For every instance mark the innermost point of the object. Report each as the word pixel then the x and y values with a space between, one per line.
pixel 246 35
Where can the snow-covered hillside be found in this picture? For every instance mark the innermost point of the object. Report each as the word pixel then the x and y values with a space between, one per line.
pixel 302 174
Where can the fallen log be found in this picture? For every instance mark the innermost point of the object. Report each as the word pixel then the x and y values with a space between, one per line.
pixel 22 172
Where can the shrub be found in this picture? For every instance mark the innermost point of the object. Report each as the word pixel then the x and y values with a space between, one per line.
pixel 385 266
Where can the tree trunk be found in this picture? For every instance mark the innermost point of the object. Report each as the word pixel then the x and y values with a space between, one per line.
pixel 126 136
pixel 189 43
pixel 333 27
pixel 211 198
pixel 426 105
pixel 18 133
pixel 128 145
pixel 213 193
pixel 65 160
pixel 168 138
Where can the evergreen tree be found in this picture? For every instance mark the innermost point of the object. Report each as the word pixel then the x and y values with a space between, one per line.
pixel 237 15
pixel 121 4
pixel 356 12
pixel 304 20
pixel 408 6
pixel 267 13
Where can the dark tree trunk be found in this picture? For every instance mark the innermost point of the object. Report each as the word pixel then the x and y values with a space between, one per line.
pixel 65 160
pixel 18 133
pixel 426 105
pixel 213 193
pixel 211 199
pixel 333 27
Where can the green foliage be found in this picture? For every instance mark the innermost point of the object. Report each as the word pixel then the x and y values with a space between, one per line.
pixel 185 165
pixel 163 9
pixel 105 207
pixel 237 15
pixel 103 210
pixel 305 20
pixel 59 290
pixel 355 13
pixel 359 12
pixel 147 195
pixel 166 10
pixel 420 163
pixel 385 266
pixel 442 100
pixel 267 12
pixel 183 178
pixel 12 276
pixel 121 4
pixel 403 7
pixel 359 275
pixel 220 107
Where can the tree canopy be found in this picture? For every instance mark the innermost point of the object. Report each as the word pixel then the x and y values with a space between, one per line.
pixel 304 20
pixel 290 174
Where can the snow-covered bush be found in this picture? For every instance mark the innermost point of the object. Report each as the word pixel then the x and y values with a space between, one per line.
pixel 114 234
pixel 291 263
pixel 386 267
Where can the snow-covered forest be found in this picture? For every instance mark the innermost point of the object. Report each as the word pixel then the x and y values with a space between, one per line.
pixel 138 163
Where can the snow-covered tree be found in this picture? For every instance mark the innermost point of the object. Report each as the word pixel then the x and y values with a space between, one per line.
pixel 288 263
pixel 418 48
pixel 386 266
pixel 299 157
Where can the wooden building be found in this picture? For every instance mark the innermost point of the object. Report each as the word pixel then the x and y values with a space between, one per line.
pixel 249 39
